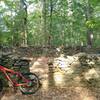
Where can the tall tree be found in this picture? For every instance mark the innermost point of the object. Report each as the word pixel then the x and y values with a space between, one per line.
pixel 89 16
pixel 44 11
pixel 23 7
pixel 51 15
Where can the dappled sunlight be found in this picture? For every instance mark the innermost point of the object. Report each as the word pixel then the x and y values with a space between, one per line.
pixel 58 78
pixel 41 68
pixel 78 89
pixel 64 64
pixel 70 71
pixel 36 63
pixel 45 84
pixel 85 94
pixel 36 70
pixel 89 98
pixel 40 65
pixel 90 62
pixel 77 79
pixel 92 73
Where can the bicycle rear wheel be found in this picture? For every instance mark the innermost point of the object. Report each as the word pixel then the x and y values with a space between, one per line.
pixel 33 84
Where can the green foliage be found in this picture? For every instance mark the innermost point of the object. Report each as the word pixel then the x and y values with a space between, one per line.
pixel 90 24
pixel 64 22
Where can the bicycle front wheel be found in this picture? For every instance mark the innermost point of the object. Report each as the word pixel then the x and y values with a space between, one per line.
pixel 32 86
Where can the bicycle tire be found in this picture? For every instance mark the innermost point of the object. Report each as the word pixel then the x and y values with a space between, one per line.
pixel 34 84
pixel 1 85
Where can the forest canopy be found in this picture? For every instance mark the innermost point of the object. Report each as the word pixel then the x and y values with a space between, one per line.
pixel 50 22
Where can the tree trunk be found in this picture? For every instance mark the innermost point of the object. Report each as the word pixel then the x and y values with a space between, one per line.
pixel 88 16
pixel 44 21
pixel 70 14
pixel 24 21
pixel 49 36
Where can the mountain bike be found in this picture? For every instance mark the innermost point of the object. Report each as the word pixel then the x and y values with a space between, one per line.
pixel 28 83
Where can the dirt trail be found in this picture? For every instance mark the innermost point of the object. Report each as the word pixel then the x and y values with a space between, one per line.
pixel 57 86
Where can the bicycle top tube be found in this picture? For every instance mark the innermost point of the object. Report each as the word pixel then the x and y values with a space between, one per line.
pixel 2 68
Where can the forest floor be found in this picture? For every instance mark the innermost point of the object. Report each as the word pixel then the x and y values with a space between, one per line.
pixel 60 86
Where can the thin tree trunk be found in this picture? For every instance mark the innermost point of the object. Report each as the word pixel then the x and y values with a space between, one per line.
pixel 51 11
pixel 24 20
pixel 88 16
pixel 70 21
pixel 44 22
